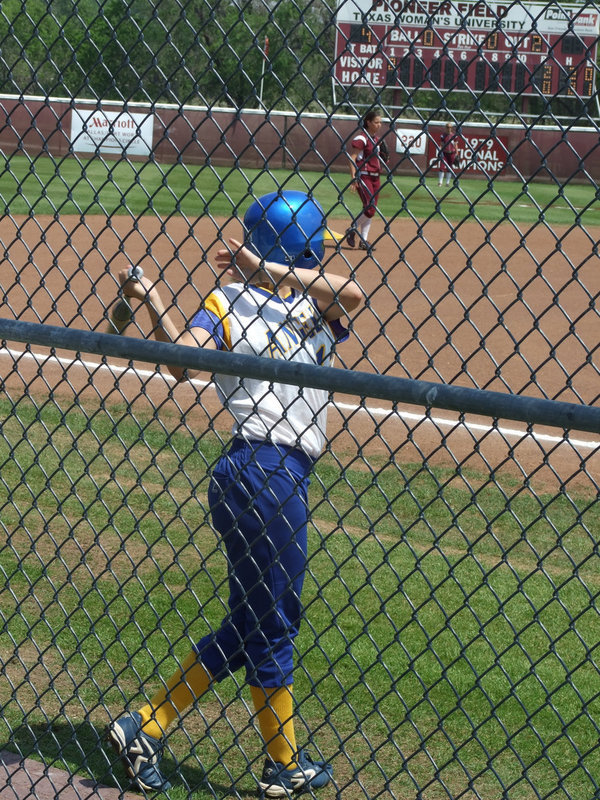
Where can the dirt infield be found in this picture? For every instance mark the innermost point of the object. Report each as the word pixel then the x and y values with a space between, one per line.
pixel 502 308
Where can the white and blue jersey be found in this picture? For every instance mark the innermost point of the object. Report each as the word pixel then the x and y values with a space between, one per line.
pixel 254 321
pixel 258 493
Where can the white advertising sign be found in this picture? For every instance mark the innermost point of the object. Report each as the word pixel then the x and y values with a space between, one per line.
pixel 410 139
pixel 508 15
pixel 111 132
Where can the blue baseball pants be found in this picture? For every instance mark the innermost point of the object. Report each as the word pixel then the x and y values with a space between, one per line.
pixel 258 502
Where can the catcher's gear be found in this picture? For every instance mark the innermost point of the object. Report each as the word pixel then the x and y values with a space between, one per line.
pixel 287 227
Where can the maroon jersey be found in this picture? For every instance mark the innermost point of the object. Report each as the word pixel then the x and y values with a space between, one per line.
pixel 448 142
pixel 367 160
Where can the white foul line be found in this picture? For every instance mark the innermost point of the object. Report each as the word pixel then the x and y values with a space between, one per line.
pixel 372 411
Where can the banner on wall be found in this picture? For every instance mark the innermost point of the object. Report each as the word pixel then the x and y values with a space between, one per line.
pixel 411 140
pixel 115 132
pixel 475 155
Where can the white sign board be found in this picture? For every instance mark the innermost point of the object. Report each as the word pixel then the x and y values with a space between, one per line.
pixel 508 15
pixel 411 139
pixel 111 132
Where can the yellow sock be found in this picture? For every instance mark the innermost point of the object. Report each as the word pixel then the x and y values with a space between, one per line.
pixel 274 709
pixel 183 687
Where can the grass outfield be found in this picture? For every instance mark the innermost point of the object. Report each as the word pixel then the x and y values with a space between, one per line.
pixel 450 637
pixel 78 186
pixel 452 633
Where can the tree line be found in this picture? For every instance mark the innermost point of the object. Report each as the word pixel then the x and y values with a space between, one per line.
pixel 206 52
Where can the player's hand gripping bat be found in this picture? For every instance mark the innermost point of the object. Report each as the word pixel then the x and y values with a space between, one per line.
pixel 120 316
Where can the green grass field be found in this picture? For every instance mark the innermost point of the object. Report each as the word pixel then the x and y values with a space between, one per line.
pixel 451 635
pixel 76 186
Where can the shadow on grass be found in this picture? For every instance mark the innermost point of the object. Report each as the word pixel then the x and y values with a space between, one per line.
pixel 82 750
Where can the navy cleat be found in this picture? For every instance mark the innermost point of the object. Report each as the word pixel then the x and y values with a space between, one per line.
pixel 139 752
pixel 277 781
pixel 351 237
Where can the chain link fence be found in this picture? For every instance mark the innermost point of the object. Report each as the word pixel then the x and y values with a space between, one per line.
pixel 450 642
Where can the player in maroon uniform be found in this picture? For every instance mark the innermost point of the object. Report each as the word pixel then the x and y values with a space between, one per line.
pixel 365 168
pixel 447 154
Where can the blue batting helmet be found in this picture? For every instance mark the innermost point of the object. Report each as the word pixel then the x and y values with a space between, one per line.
pixel 286 227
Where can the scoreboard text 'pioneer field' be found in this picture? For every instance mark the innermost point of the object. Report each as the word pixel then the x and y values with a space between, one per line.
pixel 497 47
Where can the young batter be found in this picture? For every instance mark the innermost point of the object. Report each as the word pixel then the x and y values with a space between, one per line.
pixel 365 169
pixel 281 308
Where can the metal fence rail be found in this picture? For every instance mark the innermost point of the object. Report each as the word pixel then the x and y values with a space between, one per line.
pixel 450 641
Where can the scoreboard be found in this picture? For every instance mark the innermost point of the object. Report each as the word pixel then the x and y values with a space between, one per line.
pixel 511 47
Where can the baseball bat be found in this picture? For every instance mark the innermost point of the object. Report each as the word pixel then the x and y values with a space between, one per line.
pixel 121 314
